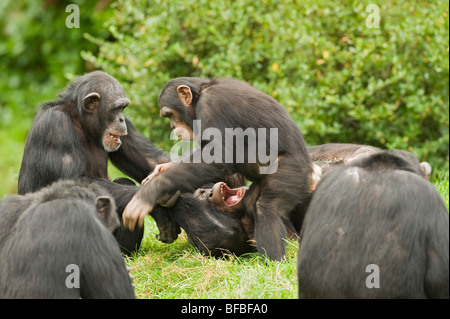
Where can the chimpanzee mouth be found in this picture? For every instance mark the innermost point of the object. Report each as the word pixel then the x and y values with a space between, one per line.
pixel 230 196
pixel 111 140
pixel 115 138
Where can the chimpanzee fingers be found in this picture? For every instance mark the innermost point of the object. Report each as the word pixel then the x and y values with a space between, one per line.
pixel 135 212
pixel 161 168
pixel 158 169
pixel 141 217
pixel 145 180
pixel 127 216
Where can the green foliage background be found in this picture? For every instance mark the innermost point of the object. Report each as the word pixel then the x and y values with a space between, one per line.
pixel 340 80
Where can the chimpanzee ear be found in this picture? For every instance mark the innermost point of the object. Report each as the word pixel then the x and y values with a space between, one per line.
pixel 426 168
pixel 185 94
pixel 91 102
pixel 106 211
pixel 103 206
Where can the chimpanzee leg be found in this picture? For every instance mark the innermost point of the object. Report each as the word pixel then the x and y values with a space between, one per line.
pixel 129 242
pixel 270 232
pixel 283 195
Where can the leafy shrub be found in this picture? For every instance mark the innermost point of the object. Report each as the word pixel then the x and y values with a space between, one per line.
pixel 38 53
pixel 340 80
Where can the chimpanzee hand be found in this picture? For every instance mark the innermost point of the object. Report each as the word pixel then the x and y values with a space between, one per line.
pixel 143 203
pixel 136 210
pixel 160 168
pixel 169 200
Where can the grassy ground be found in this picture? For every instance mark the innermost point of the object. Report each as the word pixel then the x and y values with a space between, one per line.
pixel 179 271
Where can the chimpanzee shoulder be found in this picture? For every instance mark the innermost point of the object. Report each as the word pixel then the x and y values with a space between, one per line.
pixel 63 225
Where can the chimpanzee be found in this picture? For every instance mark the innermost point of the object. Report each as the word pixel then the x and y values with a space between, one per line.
pixel 215 221
pixel 220 224
pixel 74 136
pixel 57 243
pixel 224 105
pixel 375 228
pixel 329 156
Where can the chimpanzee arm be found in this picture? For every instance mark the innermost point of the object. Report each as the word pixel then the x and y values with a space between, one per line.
pixel 184 177
pixel 137 157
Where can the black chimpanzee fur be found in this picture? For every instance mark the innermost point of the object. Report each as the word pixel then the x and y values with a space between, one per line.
pixel 67 223
pixel 378 210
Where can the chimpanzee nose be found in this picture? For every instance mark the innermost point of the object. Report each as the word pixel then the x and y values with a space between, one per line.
pixel 202 193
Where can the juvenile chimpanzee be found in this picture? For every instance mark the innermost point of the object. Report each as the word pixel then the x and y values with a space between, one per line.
pixel 57 243
pixel 224 105
pixel 220 223
pixel 74 136
pixel 375 228
pixel 215 221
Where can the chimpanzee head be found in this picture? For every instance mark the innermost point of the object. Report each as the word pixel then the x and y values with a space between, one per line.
pixel 222 197
pixel 100 101
pixel 177 101
pixel 396 159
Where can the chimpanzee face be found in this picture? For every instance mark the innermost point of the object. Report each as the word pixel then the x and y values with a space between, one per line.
pixel 220 196
pixel 180 128
pixel 117 128
pixel 105 115
pixel 180 109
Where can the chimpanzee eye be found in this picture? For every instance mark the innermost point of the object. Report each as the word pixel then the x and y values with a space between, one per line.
pixel 166 112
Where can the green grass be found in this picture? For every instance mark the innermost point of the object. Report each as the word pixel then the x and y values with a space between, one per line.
pixel 178 270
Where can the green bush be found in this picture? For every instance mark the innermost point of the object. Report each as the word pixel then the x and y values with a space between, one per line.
pixel 340 80
pixel 38 52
